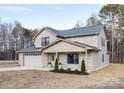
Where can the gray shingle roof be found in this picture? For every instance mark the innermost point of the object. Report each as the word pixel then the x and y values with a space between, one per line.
pixel 78 31
pixel 30 49
pixel 54 30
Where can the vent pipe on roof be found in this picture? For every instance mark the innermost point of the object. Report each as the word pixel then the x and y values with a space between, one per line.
pixel 76 26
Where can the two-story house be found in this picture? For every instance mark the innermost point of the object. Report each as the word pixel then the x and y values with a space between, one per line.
pixel 70 47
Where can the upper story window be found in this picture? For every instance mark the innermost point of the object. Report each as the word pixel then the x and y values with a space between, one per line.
pixel 102 41
pixel 44 41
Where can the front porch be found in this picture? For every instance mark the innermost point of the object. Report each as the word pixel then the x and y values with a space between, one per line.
pixel 67 60
pixel 70 54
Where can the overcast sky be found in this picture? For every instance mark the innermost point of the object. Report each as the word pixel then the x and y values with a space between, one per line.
pixel 57 16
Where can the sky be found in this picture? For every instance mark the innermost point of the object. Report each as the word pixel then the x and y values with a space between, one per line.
pixel 58 16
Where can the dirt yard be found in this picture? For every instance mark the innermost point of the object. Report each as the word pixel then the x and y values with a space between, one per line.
pixel 109 77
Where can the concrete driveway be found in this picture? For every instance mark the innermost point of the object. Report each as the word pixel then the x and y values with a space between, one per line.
pixel 18 68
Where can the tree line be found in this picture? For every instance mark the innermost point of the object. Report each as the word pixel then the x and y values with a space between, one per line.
pixel 13 37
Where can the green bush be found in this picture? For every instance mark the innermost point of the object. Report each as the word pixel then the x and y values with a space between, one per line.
pixel 83 68
pixel 61 70
pixel 68 70
pixel 49 63
pixel 56 65
pixel 76 70
pixel 60 63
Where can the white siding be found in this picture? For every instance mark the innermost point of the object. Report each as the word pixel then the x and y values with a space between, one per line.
pixel 103 49
pixel 90 40
pixel 64 47
pixel 44 33
pixel 95 58
pixel 21 59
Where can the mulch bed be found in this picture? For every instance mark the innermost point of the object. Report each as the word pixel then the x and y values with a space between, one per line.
pixel 70 72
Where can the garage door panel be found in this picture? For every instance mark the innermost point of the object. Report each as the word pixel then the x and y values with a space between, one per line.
pixel 33 60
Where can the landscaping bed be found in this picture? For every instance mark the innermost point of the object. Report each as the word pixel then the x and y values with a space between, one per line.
pixel 58 69
pixel 76 72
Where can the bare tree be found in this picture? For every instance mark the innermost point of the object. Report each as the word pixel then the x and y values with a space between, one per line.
pixel 93 20
pixel 111 14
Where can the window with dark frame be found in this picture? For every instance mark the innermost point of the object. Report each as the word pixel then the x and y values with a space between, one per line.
pixel 102 57
pixel 73 58
pixel 108 46
pixel 102 41
pixel 44 41
pixel 52 57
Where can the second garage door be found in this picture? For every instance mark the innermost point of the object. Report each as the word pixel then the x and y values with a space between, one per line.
pixel 33 60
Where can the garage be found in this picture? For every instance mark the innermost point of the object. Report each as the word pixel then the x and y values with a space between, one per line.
pixel 33 59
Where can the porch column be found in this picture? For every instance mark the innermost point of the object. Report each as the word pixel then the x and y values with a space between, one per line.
pixel 44 60
pixel 23 60
pixel 86 63
pixel 56 55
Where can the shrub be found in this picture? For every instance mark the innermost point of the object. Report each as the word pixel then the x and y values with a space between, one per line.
pixel 60 63
pixel 68 70
pixel 56 65
pixel 76 70
pixel 49 63
pixel 61 70
pixel 83 68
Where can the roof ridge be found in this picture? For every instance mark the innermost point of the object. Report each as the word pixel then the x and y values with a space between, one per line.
pixel 83 27
pixel 51 28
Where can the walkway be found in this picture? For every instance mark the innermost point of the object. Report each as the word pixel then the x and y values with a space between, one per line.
pixel 23 68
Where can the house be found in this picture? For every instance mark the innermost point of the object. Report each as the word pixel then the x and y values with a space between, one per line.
pixel 70 47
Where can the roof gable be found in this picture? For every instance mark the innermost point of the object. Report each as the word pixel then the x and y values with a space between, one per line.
pixel 51 30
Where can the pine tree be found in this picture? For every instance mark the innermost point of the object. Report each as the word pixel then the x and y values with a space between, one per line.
pixel 83 68
pixel 56 65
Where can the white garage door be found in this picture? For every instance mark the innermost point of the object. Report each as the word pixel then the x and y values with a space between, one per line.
pixel 33 60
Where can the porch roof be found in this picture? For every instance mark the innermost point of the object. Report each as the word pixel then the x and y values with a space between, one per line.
pixel 69 46
pixel 29 49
